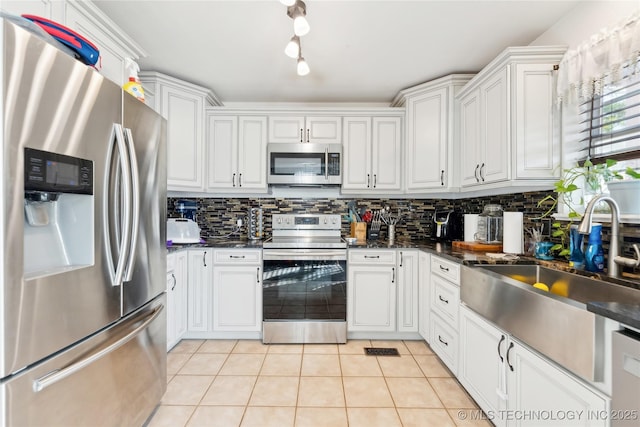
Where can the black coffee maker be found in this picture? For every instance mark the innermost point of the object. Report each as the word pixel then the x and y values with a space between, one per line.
pixel 447 226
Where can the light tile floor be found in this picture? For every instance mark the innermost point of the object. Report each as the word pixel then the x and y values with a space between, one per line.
pixel 245 383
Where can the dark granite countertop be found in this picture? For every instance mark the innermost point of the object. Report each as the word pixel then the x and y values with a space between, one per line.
pixel 626 313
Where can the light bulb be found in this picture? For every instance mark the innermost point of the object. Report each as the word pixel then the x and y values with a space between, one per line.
pixel 300 25
pixel 288 2
pixel 303 67
pixel 292 50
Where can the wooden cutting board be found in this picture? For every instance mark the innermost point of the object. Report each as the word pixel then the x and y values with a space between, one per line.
pixel 477 246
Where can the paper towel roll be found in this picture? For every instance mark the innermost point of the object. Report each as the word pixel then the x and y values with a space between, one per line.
pixel 470 227
pixel 512 233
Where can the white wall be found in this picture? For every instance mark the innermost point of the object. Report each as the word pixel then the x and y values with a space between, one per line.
pixel 586 19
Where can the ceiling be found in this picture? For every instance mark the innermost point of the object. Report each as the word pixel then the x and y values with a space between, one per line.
pixel 359 51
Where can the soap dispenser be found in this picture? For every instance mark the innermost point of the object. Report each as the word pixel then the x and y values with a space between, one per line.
pixel 594 255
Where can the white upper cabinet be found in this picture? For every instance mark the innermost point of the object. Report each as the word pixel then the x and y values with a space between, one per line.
pixel 183 105
pixel 431 134
pixel 303 129
pixel 508 135
pixel 236 153
pixel 372 148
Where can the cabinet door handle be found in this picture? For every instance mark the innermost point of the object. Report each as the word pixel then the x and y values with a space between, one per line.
pixel 240 180
pixel 372 256
pixel 442 177
pixel 475 173
pixel 443 341
pixel 204 258
pixel 393 278
pixel 258 274
pixel 174 281
pixel 375 180
pixel 499 344
pixel 443 268
pixel 509 351
pixel 482 172
pixel 446 301
pixel 233 180
pixel 301 135
pixel 368 180
pixel 237 256
pixel 400 258
pixel 307 135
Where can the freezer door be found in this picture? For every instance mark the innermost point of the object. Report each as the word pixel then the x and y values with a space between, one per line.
pixel 114 378
pixel 145 274
pixel 54 103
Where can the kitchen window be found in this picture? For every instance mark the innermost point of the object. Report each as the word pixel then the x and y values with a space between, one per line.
pixel 610 123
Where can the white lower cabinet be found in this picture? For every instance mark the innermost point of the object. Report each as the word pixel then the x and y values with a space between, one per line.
pixel 443 303
pixel 408 281
pixel 371 291
pixel 176 297
pixel 237 290
pixel 382 290
pixel 517 387
pixel 199 290
pixel 424 291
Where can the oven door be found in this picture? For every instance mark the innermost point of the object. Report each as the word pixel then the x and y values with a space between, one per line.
pixel 304 285
pixel 304 164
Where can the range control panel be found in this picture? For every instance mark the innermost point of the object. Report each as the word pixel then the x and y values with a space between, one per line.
pixel 306 222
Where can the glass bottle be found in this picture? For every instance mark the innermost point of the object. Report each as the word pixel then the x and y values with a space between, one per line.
pixel 576 257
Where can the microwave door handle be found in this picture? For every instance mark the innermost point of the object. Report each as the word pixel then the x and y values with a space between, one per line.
pixel 135 206
pixel 326 163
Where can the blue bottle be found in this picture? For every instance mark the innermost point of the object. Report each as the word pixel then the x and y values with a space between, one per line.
pixel 576 256
pixel 594 256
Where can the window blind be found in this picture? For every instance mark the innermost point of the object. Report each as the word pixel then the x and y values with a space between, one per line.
pixel 610 123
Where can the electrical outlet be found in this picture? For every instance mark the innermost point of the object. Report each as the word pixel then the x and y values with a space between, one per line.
pixel 239 222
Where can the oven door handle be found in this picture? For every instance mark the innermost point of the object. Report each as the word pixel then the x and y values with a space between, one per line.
pixel 304 254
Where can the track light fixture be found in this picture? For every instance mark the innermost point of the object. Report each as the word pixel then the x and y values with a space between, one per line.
pixel 293 47
pixel 297 10
pixel 303 67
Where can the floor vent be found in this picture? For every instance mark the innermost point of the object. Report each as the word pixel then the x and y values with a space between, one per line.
pixel 375 351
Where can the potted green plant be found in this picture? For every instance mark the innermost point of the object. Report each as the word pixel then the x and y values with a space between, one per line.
pixel 591 179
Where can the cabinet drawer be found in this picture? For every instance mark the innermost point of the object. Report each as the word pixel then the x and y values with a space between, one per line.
pixel 237 257
pixel 445 299
pixel 372 257
pixel 447 269
pixel 444 342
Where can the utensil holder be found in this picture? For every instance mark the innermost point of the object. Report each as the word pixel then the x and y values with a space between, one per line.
pixel 391 233
pixel 359 230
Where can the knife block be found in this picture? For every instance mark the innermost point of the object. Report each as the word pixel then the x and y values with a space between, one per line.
pixel 359 230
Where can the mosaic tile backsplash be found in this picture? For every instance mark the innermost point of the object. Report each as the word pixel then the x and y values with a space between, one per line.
pixel 217 216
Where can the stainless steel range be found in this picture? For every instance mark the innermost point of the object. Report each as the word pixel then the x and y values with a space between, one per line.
pixel 304 285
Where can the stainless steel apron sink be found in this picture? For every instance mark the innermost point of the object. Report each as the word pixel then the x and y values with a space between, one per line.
pixel 555 323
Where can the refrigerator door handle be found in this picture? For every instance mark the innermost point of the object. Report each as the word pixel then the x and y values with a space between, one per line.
pixel 123 253
pixel 135 208
pixel 117 273
pixel 62 373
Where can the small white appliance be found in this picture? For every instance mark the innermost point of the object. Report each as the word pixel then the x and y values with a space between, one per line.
pixel 183 230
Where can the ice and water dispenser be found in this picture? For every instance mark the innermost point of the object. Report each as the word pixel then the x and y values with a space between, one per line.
pixel 58 213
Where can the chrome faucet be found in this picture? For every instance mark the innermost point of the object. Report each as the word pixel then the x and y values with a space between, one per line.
pixel 614 244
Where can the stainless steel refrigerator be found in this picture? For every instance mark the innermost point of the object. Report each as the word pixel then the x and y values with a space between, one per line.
pixel 83 258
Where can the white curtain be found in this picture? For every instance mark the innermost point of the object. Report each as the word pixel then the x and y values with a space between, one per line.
pixel 599 61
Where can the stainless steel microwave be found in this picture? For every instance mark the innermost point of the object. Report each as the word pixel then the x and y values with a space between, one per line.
pixel 304 164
